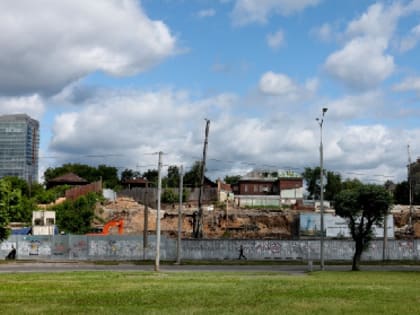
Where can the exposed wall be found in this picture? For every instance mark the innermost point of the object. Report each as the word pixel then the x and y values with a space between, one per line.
pixel 78 191
pixel 73 247
pixel 141 194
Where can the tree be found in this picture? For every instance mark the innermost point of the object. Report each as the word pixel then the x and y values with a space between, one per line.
pixel 173 176
pixel 76 216
pixel 312 178
pixel 333 185
pixel 4 215
pixel 192 178
pixel 109 174
pixel 129 174
pixel 232 179
pixel 351 184
pixel 152 176
pixel 362 207
pixel 18 208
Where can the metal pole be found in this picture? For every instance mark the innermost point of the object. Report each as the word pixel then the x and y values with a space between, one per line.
pixel 157 260
pixel 146 221
pixel 181 187
pixel 385 244
pixel 199 232
pixel 321 153
pixel 410 196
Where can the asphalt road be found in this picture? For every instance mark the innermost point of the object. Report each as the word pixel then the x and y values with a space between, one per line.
pixel 13 267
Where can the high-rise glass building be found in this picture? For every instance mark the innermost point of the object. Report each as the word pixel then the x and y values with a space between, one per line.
pixel 19 146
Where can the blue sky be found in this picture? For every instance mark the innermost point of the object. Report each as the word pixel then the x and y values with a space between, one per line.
pixel 113 81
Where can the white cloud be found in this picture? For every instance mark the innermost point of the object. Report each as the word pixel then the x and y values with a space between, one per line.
pixel 362 63
pixel 258 11
pixel 411 40
pixel 354 106
pixel 47 45
pixel 280 85
pixel 379 21
pixel 132 124
pixel 275 40
pixel 409 84
pixel 206 13
pixel 323 33
pixel 276 84
pixel 31 105
pixel 129 121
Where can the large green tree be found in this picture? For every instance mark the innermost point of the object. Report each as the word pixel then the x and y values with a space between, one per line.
pixel 4 213
pixel 362 207
pixel 233 179
pixel 108 174
pixel 192 178
pixel 152 177
pixel 173 176
pixel 129 174
pixel 332 184
pixel 76 216
pixel 17 205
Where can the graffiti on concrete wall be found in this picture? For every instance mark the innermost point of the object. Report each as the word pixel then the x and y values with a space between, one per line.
pixel 33 246
pixel 78 248
pixel 130 247
pixel 112 248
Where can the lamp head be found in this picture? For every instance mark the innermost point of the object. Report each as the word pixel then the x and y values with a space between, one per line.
pixel 324 110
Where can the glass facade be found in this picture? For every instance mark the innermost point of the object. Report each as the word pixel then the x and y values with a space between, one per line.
pixel 19 147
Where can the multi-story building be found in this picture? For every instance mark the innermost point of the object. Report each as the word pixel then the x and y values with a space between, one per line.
pixel 19 146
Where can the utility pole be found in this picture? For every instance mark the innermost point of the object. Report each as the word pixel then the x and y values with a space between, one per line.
pixel 181 188
pixel 146 220
pixel 157 260
pixel 321 153
pixel 410 196
pixel 199 232
pixel 385 243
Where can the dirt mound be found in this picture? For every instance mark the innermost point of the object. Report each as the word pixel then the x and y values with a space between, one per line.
pixel 237 223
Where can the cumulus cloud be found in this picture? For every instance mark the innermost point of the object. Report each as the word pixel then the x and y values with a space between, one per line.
pixel 378 21
pixel 32 105
pixel 354 106
pixel 362 63
pixel 323 32
pixel 133 124
pixel 275 40
pixel 409 84
pixel 411 40
pixel 258 11
pixel 48 44
pixel 280 85
pixel 206 13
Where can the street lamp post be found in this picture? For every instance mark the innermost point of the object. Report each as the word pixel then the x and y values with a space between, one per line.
pixel 321 154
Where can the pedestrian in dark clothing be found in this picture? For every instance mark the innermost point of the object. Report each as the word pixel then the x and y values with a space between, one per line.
pixel 12 254
pixel 241 253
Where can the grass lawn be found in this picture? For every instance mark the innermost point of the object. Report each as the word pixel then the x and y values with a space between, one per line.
pixel 210 293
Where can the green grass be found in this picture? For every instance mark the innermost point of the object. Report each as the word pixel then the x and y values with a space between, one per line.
pixel 210 293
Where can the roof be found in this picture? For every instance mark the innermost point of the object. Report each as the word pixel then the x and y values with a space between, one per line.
pixel 68 178
pixel 135 181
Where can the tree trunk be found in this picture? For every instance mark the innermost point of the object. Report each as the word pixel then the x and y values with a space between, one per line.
pixel 357 256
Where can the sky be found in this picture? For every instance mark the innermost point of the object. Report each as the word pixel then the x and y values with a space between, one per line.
pixel 115 81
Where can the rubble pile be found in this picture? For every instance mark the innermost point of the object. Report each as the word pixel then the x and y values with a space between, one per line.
pixel 219 223
pixel 231 223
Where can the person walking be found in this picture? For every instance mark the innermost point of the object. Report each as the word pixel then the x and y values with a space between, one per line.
pixel 241 253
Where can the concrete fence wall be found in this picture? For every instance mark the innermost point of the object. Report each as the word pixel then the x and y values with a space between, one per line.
pixel 75 247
